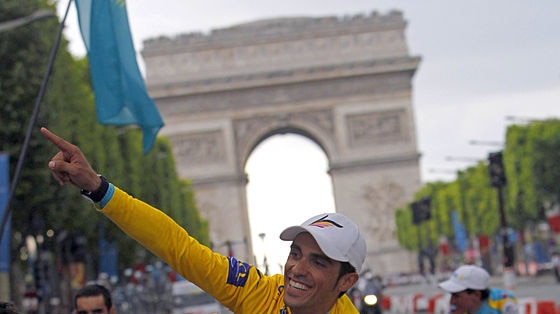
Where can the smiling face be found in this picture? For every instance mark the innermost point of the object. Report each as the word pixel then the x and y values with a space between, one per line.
pixel 311 279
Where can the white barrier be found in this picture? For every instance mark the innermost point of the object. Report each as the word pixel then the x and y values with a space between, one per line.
pixel 442 304
pixel 409 304
pixel 421 304
pixel 527 305
pixel 439 304
pixel 402 304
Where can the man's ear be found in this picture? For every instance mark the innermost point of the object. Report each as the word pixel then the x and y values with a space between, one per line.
pixel 347 281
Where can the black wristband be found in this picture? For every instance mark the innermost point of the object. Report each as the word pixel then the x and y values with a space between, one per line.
pixel 97 195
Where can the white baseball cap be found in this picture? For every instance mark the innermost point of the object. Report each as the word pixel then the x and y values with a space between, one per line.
pixel 466 277
pixel 337 236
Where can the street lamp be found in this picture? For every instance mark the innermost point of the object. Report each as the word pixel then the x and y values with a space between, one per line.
pixel 498 180
pixel 421 211
pixel 486 143
pixel 462 159
pixel 35 16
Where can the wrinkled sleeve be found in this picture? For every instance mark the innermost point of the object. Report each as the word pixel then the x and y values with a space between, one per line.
pixel 230 281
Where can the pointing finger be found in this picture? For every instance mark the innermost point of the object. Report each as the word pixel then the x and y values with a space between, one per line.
pixel 67 149
pixel 69 165
pixel 56 140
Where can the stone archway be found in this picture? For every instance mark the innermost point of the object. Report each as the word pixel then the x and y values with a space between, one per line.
pixel 345 83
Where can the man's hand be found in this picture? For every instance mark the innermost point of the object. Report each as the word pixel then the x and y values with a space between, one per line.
pixel 70 166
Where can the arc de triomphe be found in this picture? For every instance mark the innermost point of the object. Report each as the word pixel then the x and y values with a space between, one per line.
pixel 343 82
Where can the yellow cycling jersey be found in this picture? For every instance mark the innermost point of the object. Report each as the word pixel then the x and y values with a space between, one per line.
pixel 237 285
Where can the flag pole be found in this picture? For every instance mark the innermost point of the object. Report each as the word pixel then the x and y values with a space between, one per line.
pixel 33 121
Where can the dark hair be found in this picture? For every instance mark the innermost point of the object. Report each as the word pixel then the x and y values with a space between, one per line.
pixel 7 308
pixel 484 294
pixel 92 291
pixel 345 268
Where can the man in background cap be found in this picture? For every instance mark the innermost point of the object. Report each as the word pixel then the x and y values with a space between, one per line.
pixel 470 294
pixel 326 254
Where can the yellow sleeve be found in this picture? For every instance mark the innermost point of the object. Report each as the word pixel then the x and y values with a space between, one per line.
pixel 235 284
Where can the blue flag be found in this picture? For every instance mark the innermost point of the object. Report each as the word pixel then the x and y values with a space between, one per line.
pixel 121 97
pixel 460 233
pixel 4 189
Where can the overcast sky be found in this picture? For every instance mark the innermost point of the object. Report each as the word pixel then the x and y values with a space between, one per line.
pixel 482 61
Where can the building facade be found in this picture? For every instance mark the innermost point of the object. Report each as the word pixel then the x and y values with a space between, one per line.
pixel 343 82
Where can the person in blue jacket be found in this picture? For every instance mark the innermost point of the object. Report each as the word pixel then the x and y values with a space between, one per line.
pixel 470 293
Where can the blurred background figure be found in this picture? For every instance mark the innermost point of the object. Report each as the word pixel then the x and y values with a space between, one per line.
pixel 93 299
pixel 555 261
pixel 367 293
pixel 7 308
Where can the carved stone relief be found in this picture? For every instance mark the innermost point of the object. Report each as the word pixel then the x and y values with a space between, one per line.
pixel 202 148
pixel 266 96
pixel 377 128
pixel 383 196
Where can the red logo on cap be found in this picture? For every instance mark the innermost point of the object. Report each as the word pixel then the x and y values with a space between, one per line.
pixel 323 223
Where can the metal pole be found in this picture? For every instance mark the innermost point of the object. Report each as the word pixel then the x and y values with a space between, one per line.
pixel 37 15
pixel 508 249
pixel 420 250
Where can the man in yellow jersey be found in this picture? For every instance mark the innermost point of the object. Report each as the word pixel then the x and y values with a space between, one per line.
pixel 326 254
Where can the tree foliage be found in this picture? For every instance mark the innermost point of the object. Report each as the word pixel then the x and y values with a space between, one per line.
pixel 68 109
pixel 531 158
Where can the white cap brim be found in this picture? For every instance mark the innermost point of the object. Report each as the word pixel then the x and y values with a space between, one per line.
pixel 290 233
pixel 451 286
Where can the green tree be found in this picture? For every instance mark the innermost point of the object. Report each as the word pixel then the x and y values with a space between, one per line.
pixel 532 164
pixel 521 197
pixel 68 109
pixel 23 55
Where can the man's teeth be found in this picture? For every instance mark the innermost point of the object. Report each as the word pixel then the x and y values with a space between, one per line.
pixel 297 285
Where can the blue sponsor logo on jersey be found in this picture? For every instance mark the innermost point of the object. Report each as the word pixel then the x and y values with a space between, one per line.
pixel 237 273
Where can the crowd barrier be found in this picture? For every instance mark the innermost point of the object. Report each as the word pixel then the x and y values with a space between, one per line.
pixel 439 304
pixel 534 306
